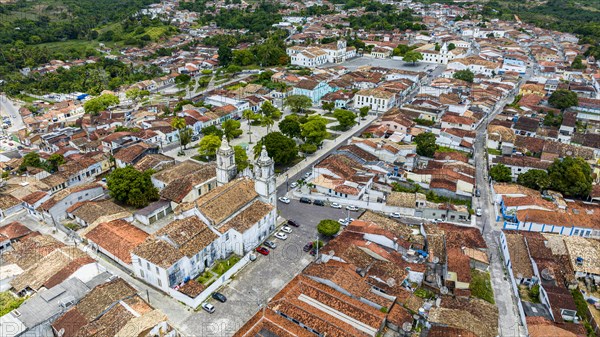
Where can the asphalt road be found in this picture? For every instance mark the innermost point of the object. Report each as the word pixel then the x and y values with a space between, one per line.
pixel 8 108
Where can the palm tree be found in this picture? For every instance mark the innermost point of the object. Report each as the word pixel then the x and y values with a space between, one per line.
pixel 179 124
pixel 248 115
pixel 267 121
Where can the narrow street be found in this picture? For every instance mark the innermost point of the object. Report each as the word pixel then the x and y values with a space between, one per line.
pixel 508 320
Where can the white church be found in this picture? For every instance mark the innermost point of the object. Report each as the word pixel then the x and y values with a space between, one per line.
pixel 232 218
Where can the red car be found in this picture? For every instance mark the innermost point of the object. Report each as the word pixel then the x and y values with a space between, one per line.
pixel 262 250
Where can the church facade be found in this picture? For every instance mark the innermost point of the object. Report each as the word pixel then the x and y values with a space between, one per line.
pixel 233 218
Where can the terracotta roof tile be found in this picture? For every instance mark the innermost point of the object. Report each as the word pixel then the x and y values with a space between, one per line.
pixel 118 237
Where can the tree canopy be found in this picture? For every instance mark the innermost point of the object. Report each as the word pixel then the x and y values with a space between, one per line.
pixel 231 129
pixel 346 118
pixel 500 173
pixel 535 179
pixel 283 150
pixel 97 104
pixel 412 56
pixel 465 75
pixel 290 126
pixel 241 157
pixel 209 145
pixel 132 187
pixel 328 227
pixel 563 99
pixel 426 145
pixel 571 176
pixel 314 130
pixel 298 103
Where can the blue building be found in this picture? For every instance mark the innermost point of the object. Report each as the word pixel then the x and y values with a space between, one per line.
pixel 312 89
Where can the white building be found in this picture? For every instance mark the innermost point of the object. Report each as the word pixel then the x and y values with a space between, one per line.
pixel 336 52
pixel 378 100
pixel 232 218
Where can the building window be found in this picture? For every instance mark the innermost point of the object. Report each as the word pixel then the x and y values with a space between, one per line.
pixel 159 283
pixel 140 262
pixel 148 265
pixel 576 232
pixel 157 271
pixel 226 236
pixel 142 273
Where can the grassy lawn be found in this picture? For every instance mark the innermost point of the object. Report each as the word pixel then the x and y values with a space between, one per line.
pixel 480 286
pixel 205 277
pixel 8 302
pixel 526 295
pixel 424 293
pixel 494 152
pixel 222 266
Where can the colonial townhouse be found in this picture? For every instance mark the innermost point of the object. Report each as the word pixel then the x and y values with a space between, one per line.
pixel 53 210
pixel 312 89
pixel 378 100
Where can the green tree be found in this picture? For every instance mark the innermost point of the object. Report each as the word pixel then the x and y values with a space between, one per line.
pixel 571 176
pixel 95 105
pixel 231 129
pixel 298 103
pixel 243 57
pixel 269 110
pixel 314 130
pixel 225 55
pixel 132 187
pixel 412 56
pixel 209 145
pixel 345 118
pixel 212 130
pixel 182 80
pixel 283 150
pixel 577 63
pixel 451 46
pixel 328 106
pixel 563 99
pixel 465 75
pixel 308 148
pixel 551 119
pixel 241 157
pixel 500 173
pixel 290 126
pixel 55 160
pixel 328 227
pixel 249 116
pixel 185 137
pixel 32 159
pixel 266 121
pixel 426 144
pixel 535 179
pixel 179 124
pixel 364 111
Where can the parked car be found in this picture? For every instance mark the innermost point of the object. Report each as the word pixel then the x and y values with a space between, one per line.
pixel 219 297
pixel 195 138
pixel 394 215
pixel 305 200
pixel 335 205
pixel 343 222
pixel 286 229
pixel 307 247
pixel 478 211
pixel 284 200
pixel 306 175
pixel 294 185
pixel 262 250
pixel 352 208
pixel 270 244
pixel 293 223
pixel 208 307
pixel 281 236
pixel 477 192
pixel 319 203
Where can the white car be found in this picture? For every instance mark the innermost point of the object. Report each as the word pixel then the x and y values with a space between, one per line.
pixel 352 208
pixel 336 205
pixel 394 215
pixel 284 200
pixel 306 175
pixel 208 307
pixel 286 229
pixel 343 222
pixel 294 185
pixel 281 236
pixel 478 212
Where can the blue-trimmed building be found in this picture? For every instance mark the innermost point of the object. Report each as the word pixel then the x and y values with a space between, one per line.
pixel 312 89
